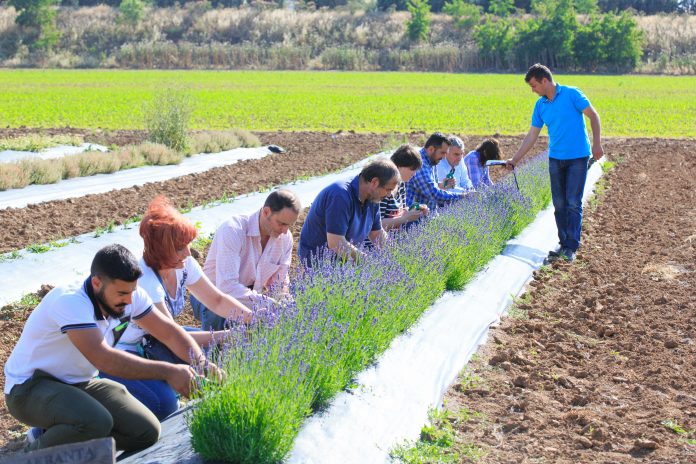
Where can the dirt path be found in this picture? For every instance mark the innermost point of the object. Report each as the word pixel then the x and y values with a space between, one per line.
pixel 598 361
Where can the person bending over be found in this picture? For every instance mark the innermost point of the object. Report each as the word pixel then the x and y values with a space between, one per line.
pixel 250 256
pixel 475 162
pixel 51 376
pixel 345 213
pixel 451 173
pixel 392 208
pixel 423 188
pixel 169 271
pixel 562 109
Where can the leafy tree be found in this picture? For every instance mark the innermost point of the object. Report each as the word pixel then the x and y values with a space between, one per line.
pixel 37 18
pixel 586 6
pixel 494 39
pixel 588 47
pixel 622 41
pixel 465 15
pixel 418 27
pixel 501 8
pixel 131 11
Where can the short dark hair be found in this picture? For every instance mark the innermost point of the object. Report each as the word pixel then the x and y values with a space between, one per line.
pixel 383 169
pixel 407 156
pixel 538 72
pixel 436 140
pixel 283 198
pixel 116 262
pixel 489 150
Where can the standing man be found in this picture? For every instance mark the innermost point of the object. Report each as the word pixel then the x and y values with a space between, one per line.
pixel 250 255
pixel 562 108
pixel 51 376
pixel 423 187
pixel 345 213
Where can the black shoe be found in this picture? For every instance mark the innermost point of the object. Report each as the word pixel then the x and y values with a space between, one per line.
pixel 567 254
pixel 552 257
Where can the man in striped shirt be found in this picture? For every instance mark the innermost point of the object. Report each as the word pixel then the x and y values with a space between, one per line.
pixel 393 209
pixel 423 187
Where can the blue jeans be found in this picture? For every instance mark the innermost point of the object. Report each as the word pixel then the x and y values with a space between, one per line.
pixel 156 395
pixel 567 185
pixel 209 320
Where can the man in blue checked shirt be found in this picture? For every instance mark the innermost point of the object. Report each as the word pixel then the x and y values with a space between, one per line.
pixel 423 187
pixel 562 109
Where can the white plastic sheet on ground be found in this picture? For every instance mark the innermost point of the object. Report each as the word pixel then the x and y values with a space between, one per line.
pixel 70 264
pixel 392 400
pixel 101 183
pixel 11 156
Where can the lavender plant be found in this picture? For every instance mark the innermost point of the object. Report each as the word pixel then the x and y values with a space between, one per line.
pixel 295 358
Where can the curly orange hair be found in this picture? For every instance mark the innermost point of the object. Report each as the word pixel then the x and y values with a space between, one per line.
pixel 164 231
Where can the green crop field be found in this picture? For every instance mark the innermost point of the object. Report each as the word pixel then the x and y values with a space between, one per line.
pixel 379 102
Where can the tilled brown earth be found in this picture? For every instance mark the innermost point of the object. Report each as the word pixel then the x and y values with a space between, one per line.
pixel 598 361
pixel 607 353
pixel 308 154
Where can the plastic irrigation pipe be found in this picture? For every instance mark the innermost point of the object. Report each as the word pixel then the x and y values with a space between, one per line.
pixel 503 163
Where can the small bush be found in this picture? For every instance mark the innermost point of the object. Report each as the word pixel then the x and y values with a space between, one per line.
pixel 131 12
pixel 418 26
pixel 38 142
pixel 12 175
pixel 42 171
pixel 158 154
pixel 167 118
pixel 217 141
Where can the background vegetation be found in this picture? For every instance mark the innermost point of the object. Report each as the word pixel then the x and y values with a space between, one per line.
pixel 435 35
pixel 378 102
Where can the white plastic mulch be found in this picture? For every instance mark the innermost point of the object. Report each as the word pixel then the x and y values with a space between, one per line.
pixel 70 264
pixel 101 183
pixel 11 156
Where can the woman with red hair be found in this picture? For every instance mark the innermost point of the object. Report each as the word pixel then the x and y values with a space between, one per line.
pixel 168 270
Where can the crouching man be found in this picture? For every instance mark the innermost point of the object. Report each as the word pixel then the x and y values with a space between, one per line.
pixel 50 377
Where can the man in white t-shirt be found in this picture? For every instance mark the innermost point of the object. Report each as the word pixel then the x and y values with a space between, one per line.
pixel 50 377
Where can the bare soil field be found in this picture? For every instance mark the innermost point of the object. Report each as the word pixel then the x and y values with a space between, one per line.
pixel 598 361
pixel 606 349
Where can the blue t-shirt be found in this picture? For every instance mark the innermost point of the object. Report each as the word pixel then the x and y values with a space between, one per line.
pixel 337 210
pixel 565 121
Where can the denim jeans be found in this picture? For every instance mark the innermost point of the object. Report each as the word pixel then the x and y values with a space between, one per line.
pixel 209 320
pixel 157 395
pixel 567 185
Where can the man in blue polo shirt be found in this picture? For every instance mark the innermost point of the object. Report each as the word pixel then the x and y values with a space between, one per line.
pixel 347 212
pixel 562 108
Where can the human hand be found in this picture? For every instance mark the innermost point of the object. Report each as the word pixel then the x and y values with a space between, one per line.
pixel 412 215
pixel 597 151
pixel 448 183
pixel 509 164
pixel 424 210
pixel 182 378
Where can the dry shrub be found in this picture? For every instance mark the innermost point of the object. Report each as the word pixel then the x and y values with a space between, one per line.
pixel 12 175
pixel 156 153
pixel 94 162
pixel 42 171
pixel 37 142
pixel 217 141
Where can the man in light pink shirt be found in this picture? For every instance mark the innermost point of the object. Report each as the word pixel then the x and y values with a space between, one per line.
pixel 250 255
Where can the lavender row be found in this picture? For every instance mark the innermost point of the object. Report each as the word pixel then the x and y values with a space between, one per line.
pixel 298 356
